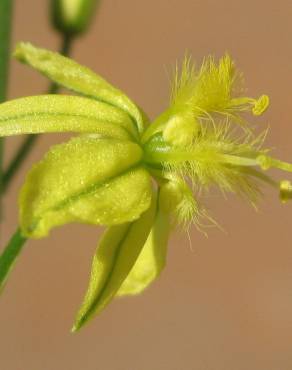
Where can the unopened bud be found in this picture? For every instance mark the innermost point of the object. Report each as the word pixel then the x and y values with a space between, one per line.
pixel 72 17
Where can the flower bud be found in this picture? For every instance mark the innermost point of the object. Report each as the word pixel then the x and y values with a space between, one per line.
pixel 72 17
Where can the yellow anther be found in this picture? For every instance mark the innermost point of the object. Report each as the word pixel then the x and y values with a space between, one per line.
pixel 285 191
pixel 260 105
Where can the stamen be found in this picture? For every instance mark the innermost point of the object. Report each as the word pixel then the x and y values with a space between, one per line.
pixel 261 176
pixel 266 163
pixel 238 161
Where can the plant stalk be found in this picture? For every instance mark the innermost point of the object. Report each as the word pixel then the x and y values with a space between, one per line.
pixel 9 255
pixel 5 30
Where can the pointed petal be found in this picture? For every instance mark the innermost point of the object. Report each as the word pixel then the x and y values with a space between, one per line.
pixel 116 254
pixel 73 76
pixel 85 180
pixel 175 201
pixel 61 113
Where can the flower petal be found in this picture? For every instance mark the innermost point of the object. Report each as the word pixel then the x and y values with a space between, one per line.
pixel 152 258
pixel 116 254
pixel 60 113
pixel 73 76
pixel 85 180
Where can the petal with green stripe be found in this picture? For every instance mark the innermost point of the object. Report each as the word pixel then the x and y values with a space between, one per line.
pixel 68 73
pixel 116 254
pixel 87 180
pixel 61 113
pixel 152 258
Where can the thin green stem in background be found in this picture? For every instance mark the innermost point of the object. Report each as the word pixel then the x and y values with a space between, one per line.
pixel 30 140
pixel 9 255
pixel 5 25
pixel 5 30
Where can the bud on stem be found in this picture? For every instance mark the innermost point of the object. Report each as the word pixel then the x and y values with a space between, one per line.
pixel 72 17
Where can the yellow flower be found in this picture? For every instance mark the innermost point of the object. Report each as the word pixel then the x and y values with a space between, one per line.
pixel 139 179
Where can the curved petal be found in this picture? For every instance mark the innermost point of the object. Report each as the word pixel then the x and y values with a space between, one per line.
pixel 85 180
pixel 174 199
pixel 115 256
pixel 73 76
pixel 61 113
pixel 152 258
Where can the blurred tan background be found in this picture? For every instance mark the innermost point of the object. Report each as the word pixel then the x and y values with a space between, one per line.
pixel 225 303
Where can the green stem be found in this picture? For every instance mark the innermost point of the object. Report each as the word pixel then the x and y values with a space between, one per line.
pixel 30 140
pixel 9 255
pixel 5 28
pixel 5 25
